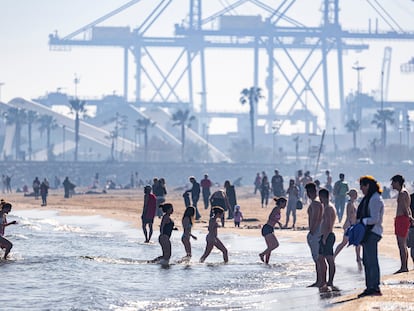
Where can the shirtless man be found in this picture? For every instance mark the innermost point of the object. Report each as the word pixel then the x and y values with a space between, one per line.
pixel 326 242
pixel 403 219
pixel 315 211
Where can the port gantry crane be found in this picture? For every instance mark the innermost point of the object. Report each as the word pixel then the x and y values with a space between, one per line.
pixel 273 31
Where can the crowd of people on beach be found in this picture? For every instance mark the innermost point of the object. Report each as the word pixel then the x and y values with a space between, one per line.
pixel 326 204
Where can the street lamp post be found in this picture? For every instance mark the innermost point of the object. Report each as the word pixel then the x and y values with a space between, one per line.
pixel 358 69
pixel 382 110
pixel 64 141
pixel 275 127
pixel 76 81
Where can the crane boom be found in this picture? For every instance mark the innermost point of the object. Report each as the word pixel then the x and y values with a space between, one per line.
pixel 101 19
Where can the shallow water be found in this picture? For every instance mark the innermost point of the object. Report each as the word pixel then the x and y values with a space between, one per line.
pixel 93 263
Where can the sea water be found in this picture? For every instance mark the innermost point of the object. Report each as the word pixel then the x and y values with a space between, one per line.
pixel 94 263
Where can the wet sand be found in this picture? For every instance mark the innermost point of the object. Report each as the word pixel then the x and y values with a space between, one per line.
pixel 126 205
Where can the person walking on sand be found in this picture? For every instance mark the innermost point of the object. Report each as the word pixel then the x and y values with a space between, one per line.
pixel 328 184
pixel 326 243
pixel 265 191
pixel 257 182
pixel 231 196
pixel 36 187
pixel 349 221
pixel 159 189
pixel 403 219
pixel 238 216
pixel 211 238
pixel 293 198
pixel 268 229
pixel 277 184
pixel 195 195
pixel 148 212
pixel 5 243
pixel 315 211
pixel 339 191
pixel 370 212
pixel 44 191
pixel 68 187
pixel 166 228
pixel 187 222
pixel 205 185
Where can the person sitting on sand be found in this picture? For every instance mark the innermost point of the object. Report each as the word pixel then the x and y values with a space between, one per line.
pixel 268 229
pixel 4 243
pixel 187 222
pixel 211 238
pixel 166 228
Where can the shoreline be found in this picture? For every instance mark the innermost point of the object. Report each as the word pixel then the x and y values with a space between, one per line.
pixel 126 206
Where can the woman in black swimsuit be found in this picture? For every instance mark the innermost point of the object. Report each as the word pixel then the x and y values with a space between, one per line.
pixel 166 228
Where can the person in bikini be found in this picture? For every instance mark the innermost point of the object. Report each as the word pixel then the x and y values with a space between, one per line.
pixel 211 238
pixel 187 222
pixel 403 219
pixel 268 229
pixel 166 228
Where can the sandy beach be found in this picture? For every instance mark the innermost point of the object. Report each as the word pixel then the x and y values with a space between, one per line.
pixel 126 205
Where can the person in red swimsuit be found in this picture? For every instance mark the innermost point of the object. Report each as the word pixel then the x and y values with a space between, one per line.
pixel 403 219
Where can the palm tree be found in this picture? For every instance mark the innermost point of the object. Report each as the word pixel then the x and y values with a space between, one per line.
pixel 142 126
pixel 17 117
pixel 113 136
pixel 47 123
pixel 182 118
pixel 121 123
pixel 353 126
pixel 251 96
pixel 380 120
pixel 32 117
pixel 79 107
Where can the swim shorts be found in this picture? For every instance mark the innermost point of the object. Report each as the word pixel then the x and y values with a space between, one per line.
pixel 267 229
pixel 327 249
pixel 313 242
pixel 401 225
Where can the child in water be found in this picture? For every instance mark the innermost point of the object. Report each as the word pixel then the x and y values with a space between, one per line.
pixel 4 243
pixel 238 216
pixel 212 239
pixel 268 229
pixel 166 228
pixel 187 223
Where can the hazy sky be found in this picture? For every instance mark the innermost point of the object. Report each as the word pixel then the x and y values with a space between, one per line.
pixel 29 69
